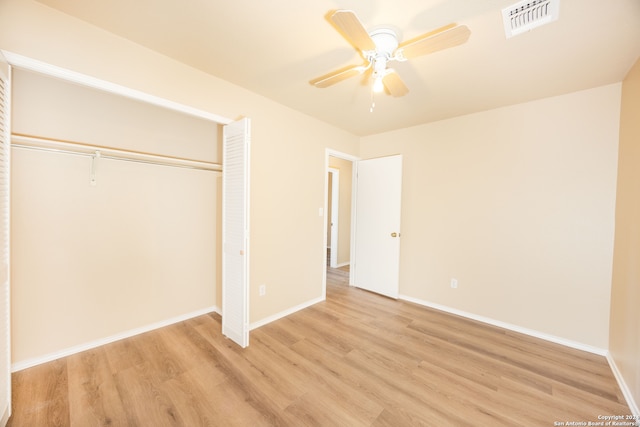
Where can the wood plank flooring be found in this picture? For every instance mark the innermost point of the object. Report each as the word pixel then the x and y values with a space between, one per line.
pixel 357 359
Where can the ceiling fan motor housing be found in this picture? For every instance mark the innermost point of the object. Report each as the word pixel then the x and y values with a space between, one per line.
pixel 386 42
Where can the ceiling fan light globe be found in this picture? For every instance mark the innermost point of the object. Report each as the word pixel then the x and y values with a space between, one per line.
pixel 378 86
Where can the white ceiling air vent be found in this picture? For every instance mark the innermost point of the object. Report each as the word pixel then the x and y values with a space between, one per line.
pixel 529 14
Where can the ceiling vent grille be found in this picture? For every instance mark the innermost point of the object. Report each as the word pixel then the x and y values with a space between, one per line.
pixel 529 14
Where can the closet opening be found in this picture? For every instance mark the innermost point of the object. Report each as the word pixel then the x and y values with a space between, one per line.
pixel 116 212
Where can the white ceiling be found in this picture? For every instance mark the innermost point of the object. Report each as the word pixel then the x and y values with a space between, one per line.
pixel 275 47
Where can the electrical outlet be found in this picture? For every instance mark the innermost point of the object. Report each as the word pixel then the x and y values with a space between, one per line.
pixel 454 283
pixel 262 290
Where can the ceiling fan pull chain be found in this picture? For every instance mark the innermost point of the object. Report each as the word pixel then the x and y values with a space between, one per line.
pixel 373 102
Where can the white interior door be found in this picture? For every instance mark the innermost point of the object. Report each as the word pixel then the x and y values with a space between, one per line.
pixel 377 225
pixel 5 332
pixel 235 231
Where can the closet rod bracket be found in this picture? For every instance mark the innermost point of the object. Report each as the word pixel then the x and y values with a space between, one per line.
pixel 94 167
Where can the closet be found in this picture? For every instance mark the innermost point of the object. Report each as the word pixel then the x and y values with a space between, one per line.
pixel 115 217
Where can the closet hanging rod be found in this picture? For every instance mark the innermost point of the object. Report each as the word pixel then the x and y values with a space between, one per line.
pixel 122 159
pixel 19 140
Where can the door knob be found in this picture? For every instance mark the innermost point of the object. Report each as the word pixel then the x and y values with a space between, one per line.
pixel 394 234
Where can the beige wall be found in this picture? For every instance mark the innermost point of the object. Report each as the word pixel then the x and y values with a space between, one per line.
pixel 624 341
pixel 287 246
pixel 344 200
pixel 517 204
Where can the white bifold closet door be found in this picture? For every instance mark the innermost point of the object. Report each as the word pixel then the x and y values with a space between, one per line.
pixel 5 350
pixel 235 231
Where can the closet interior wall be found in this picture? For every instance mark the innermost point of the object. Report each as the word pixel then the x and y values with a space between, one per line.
pixel 101 247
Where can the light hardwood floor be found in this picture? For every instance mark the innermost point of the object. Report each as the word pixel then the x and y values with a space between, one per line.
pixel 357 359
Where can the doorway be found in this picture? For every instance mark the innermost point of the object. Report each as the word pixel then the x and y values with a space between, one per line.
pixel 340 170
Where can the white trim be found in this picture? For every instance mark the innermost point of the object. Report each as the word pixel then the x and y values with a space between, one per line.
pixel 509 326
pixel 285 313
pixel 626 392
pixel 334 153
pixel 107 340
pixel 354 209
pixel 30 64
pixel 5 417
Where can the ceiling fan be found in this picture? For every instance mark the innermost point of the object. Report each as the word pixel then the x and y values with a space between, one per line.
pixel 381 46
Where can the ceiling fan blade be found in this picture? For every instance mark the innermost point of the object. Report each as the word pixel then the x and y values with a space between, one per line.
pixel 338 76
pixel 394 83
pixel 442 38
pixel 352 29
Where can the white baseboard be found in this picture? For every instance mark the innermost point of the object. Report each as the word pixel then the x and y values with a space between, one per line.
pixel 5 417
pixel 626 392
pixel 107 340
pixel 509 326
pixel 284 313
